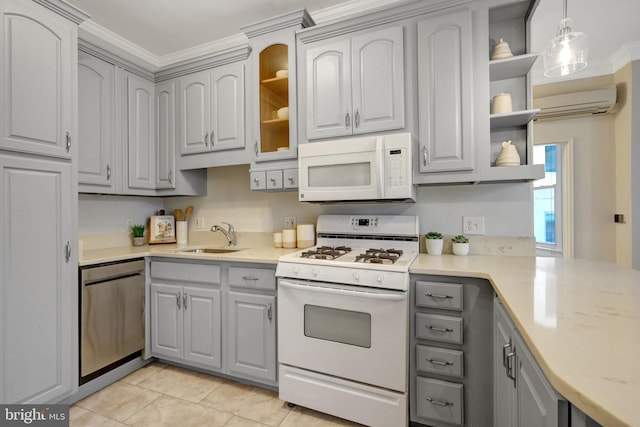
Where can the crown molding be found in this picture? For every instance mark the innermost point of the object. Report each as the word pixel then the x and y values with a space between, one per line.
pixel 344 10
pixel 106 55
pixel 628 52
pixel 66 9
pixel 106 39
pixel 298 18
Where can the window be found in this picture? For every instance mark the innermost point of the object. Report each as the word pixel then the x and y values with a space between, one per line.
pixel 552 200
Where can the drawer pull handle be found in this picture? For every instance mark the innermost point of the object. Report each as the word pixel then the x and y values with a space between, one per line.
pixel 438 402
pixel 429 294
pixel 438 329
pixel 439 362
pixel 249 278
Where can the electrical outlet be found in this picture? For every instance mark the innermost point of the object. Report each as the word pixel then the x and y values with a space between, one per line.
pixel 199 223
pixel 472 225
pixel 289 222
pixel 129 223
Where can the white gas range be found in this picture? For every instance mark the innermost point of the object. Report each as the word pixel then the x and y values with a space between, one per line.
pixel 343 318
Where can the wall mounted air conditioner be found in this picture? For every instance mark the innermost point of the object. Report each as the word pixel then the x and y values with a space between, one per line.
pixel 589 102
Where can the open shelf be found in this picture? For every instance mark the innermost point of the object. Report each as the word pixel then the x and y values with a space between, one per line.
pixel 514 173
pixel 279 85
pixel 508 68
pixel 513 119
pixel 276 125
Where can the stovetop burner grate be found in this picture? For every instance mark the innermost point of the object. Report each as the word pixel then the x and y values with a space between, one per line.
pixel 326 252
pixel 379 256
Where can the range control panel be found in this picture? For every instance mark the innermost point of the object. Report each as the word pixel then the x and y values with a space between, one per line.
pixel 364 222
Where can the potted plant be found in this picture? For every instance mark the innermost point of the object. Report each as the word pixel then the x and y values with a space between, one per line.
pixel 460 245
pixel 433 241
pixel 138 235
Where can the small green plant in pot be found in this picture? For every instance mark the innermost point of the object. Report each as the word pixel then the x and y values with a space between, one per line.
pixel 460 245
pixel 434 241
pixel 138 235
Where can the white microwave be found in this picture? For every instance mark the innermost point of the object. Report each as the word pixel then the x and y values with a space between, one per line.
pixel 370 168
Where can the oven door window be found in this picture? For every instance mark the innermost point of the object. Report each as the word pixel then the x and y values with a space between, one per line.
pixel 343 326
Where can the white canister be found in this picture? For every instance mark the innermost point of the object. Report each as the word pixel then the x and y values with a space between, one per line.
pixel 306 235
pixel 181 232
pixel 289 238
pixel 501 104
pixel 277 239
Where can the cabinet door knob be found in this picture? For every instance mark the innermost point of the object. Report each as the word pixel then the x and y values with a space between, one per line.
pixel 270 312
pixel 212 137
pixel 170 177
pixel 255 148
pixel 184 300
pixel 178 297
pixel 108 172
pixel 357 119
pixel 206 139
pixel 68 138
pixel 67 252
pixel 347 120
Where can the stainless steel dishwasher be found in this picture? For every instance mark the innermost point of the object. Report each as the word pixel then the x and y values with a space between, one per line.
pixel 111 316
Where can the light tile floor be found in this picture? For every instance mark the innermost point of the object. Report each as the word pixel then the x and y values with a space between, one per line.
pixel 161 395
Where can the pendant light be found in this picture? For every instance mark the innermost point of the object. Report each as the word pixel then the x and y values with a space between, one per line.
pixel 567 52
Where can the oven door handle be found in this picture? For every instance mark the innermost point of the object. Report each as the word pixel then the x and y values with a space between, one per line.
pixel 361 294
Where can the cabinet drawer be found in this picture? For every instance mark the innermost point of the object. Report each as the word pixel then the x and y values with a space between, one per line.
pixel 290 178
pixel 439 400
pixel 256 278
pixel 439 361
pixel 274 180
pixel 439 295
pixel 192 273
pixel 439 328
pixel 258 180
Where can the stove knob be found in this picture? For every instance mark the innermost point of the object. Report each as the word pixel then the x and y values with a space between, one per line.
pixel 356 276
pixel 380 278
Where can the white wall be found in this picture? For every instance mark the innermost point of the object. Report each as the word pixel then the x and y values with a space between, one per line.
pixel 594 163
pixel 98 214
pixel 507 208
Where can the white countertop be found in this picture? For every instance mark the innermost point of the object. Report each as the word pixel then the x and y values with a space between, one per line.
pixel 580 319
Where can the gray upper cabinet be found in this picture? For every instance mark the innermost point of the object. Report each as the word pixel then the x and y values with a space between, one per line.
pixel 140 132
pixel 37 80
pixel 165 123
pixel 211 115
pixel 355 84
pixel 445 91
pixel 96 124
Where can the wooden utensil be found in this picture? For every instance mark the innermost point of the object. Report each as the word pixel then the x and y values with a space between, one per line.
pixel 188 212
pixel 178 214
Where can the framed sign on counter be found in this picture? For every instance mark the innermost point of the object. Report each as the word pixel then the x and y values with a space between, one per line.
pixel 162 229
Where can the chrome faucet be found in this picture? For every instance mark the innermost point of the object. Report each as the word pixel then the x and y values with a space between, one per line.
pixel 229 234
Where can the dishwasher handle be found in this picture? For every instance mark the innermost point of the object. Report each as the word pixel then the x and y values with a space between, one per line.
pixel 111 278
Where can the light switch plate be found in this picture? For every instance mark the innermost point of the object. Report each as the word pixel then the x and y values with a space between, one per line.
pixel 472 225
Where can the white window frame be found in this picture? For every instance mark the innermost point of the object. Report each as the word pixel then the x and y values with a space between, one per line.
pixel 564 181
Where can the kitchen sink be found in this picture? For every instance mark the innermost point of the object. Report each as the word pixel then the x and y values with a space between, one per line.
pixel 210 250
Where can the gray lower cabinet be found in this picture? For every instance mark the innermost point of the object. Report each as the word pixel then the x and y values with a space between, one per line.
pixel 524 397
pixel 252 333
pixel 450 326
pixel 216 316
pixel 186 313
pixel 251 323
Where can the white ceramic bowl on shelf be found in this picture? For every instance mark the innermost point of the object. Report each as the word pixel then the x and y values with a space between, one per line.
pixel 283 113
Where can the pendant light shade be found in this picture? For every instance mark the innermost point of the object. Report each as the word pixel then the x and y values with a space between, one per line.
pixel 567 52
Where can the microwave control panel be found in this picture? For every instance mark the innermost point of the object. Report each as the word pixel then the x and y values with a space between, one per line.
pixel 396 167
